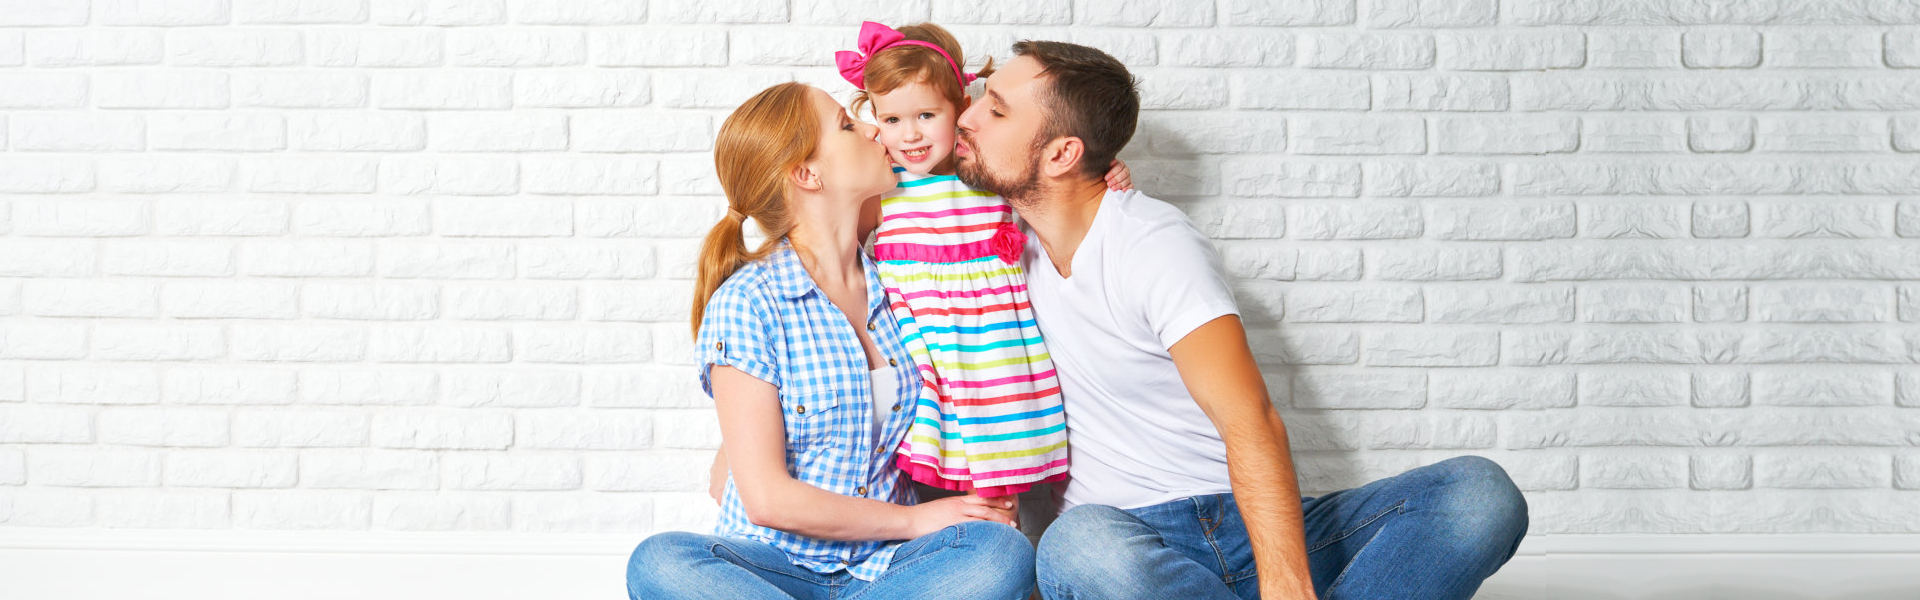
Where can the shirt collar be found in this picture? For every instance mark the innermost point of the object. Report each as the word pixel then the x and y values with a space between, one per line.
pixel 792 280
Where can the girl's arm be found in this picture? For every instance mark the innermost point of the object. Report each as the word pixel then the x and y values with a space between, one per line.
pixel 755 439
pixel 1118 178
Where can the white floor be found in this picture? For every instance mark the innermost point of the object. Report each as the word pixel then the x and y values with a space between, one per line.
pixel 55 565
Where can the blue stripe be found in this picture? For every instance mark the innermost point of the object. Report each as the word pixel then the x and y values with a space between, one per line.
pixel 996 438
pixel 911 263
pixel 925 181
pixel 981 329
pixel 989 346
pixel 930 403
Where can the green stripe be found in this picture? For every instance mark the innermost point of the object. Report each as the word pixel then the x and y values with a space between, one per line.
pixel 890 278
pixel 933 197
pixel 991 455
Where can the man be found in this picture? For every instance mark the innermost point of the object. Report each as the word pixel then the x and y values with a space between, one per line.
pixel 1182 483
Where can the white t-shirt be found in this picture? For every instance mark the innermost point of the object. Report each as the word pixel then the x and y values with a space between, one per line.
pixel 885 395
pixel 1143 278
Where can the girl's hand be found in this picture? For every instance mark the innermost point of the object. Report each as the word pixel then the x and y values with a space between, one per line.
pixel 929 517
pixel 1118 178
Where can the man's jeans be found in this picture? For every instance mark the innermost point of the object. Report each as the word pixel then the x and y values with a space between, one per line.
pixel 978 560
pixel 1432 533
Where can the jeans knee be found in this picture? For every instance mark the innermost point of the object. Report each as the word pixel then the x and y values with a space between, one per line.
pixel 1081 544
pixel 667 552
pixel 1480 487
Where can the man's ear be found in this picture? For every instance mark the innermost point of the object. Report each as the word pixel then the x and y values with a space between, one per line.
pixel 805 176
pixel 1062 156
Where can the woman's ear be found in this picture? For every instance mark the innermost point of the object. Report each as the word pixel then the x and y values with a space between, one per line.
pixel 805 176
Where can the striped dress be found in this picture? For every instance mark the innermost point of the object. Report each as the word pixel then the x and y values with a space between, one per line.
pixel 989 417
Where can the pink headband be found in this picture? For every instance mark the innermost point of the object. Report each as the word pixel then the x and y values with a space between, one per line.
pixel 875 37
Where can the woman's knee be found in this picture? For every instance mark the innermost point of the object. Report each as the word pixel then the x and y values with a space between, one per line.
pixel 660 555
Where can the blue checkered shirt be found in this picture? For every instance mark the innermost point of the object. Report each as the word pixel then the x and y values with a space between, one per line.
pixel 770 321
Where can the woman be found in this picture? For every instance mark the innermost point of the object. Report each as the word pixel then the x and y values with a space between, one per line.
pixel 805 364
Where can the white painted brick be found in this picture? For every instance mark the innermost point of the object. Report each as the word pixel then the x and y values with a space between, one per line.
pixel 46 175
pixel 300 11
pixel 438 511
pixel 299 343
pixel 167 174
pixel 303 509
pixel 581 89
pixel 1633 471
pixel 620 261
pixel 388 217
pixel 647 302
pixel 439 12
pixel 1183 134
pixel 300 429
pixel 1183 89
pixel 1721 472
pixel 1431 178
pixel 238 132
pixel 444 90
pixel 51 340
pixel 1346 135
pixel 1328 304
pixel 1228 49
pixel 509 48
pixel 1245 220
pixel 82 48
pixel 1367 50
pixel 1436 263
pixel 1360 391
pixel 1823 220
pixel 94 384
pixel 1802 133
pixel 1635 388
pixel 498 132
pixel 649 387
pixel 13 467
pixel 159 341
pixel 45 425
pixel 1633 303
pixel 1010 12
pixel 799 47
pixel 161 12
pixel 1720 49
pixel 1828 388
pixel 512 471
pixel 1511 51
pixel 1430 348
pixel 369 470
pixel 1823 303
pixel 44 12
pixel 357 131
pixel 464 430
pixel 306 259
pixel 1631 49
pixel 1841 470
pixel 1906 472
pixel 165 510
pixel 1645 220
pixel 104 218
pixel 371 302
pixel 1528 304
pixel 513 389
pixel 306 175
pixel 1326 91
pixel 47 509
pixel 596 513
pixel 224 385
pixel 612 132
pixel 1633 134
pixel 1720 219
pixel 1823 49
pixel 745 11
pixel 1144 13
pixel 655 471
pixel 1531 220
pixel 675 47
pixel 440 344
pixel 600 430
pixel 1448 92
pixel 463 176
pixel 368 387
pixel 1430 13
pixel 375 47
pixel 161 89
pixel 1902 49
pixel 597 175
pixel 43 90
pixel 447 261
pixel 235 48
pixel 1500 390
pixel 300 89
pixel 66 467
pixel 494 303
pixel 1506 135
pixel 576 12
pixel 687 429
pixel 216 300
pixel 1306 12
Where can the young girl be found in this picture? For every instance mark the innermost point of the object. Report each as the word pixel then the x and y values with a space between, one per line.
pixel 989 418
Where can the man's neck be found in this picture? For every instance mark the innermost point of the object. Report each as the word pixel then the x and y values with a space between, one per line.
pixel 1061 218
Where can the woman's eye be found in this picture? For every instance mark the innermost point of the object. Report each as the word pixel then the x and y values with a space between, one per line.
pixel 847 127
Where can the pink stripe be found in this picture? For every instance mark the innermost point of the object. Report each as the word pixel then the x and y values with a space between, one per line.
pixel 1005 289
pixel 1001 381
pixel 922 461
pixel 949 212
pixel 935 254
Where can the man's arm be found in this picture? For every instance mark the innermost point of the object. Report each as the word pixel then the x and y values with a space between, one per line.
pixel 1219 371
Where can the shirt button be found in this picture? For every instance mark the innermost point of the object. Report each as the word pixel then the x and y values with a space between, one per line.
pixel 896 408
pixel 892 363
pixel 801 409
pixel 860 490
pixel 719 345
pixel 872 327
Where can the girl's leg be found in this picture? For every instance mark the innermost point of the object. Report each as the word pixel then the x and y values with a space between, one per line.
pixel 977 560
pixel 677 565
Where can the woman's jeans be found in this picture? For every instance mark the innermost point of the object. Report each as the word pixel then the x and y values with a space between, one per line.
pixel 978 560
pixel 1433 533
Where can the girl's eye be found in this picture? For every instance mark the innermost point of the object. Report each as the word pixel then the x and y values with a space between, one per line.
pixel 926 115
pixel 892 120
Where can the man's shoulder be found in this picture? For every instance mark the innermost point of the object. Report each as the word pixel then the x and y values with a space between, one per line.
pixel 1137 212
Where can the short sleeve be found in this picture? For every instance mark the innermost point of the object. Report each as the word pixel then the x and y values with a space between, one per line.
pixel 1173 275
pixel 737 330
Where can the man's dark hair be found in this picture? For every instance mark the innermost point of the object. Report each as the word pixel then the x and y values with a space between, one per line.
pixel 1088 95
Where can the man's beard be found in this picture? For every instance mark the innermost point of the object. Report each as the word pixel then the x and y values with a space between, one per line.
pixel 1015 190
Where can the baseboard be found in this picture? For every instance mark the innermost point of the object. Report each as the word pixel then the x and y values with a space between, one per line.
pixel 57 564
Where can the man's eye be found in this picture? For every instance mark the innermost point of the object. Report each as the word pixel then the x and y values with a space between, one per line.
pixel 995 113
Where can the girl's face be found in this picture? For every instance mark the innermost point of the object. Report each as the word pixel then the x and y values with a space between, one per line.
pixel 917 127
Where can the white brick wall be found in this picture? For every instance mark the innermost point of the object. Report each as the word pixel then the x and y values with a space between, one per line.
pixel 423 266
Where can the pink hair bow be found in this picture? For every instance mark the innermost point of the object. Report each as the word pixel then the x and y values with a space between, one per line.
pixel 875 37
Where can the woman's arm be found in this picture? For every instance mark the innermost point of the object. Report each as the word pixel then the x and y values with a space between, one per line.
pixel 754 436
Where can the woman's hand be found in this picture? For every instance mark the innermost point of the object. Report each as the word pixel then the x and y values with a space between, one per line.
pixel 929 517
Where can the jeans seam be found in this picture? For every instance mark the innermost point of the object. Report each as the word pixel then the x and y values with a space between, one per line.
pixel 715 546
pixel 1342 577
pixel 1356 528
